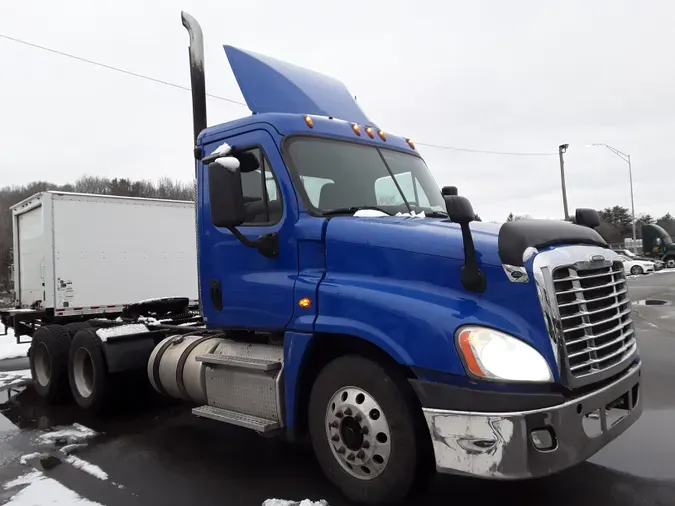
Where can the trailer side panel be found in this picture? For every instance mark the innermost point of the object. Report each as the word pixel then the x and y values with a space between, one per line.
pixel 114 251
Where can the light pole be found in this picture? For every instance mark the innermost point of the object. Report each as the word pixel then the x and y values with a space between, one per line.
pixel 626 158
pixel 562 149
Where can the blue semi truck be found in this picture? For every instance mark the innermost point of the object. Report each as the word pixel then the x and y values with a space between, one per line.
pixel 348 301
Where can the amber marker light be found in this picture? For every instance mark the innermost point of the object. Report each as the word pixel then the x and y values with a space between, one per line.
pixel 356 128
pixel 309 121
pixel 382 136
pixel 305 303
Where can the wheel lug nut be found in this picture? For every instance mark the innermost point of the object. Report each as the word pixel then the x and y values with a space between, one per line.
pixel 360 455
pixel 365 445
pixel 348 411
pixel 341 450
pixel 358 418
pixel 336 438
pixel 335 425
pixel 350 456
pixel 339 414
pixel 364 430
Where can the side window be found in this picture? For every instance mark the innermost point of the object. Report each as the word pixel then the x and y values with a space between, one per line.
pixel 262 197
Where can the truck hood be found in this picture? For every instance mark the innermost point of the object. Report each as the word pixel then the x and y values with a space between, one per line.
pixel 427 236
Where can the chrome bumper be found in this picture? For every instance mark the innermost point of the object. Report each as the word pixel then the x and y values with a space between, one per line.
pixel 535 443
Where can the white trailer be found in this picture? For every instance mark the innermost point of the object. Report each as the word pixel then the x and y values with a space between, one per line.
pixel 79 256
pixel 78 253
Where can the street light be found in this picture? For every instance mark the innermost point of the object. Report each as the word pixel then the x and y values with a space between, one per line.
pixel 562 149
pixel 626 158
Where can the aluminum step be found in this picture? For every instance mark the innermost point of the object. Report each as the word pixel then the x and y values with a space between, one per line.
pixel 257 364
pixel 225 415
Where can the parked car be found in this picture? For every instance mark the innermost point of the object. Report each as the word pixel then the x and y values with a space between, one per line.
pixel 636 267
pixel 658 264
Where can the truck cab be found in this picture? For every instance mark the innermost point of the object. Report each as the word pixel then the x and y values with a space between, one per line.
pixel 657 243
pixel 491 347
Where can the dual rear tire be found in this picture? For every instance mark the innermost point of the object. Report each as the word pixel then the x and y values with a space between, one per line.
pixel 69 359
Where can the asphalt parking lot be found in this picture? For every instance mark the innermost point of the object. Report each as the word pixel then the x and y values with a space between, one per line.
pixel 158 453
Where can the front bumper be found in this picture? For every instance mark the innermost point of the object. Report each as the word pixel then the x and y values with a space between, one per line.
pixel 528 444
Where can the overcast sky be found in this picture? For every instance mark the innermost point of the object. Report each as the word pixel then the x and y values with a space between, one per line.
pixel 523 75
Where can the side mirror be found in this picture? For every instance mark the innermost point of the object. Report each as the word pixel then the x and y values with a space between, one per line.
pixel 587 218
pixel 459 209
pixel 225 193
pixel 461 212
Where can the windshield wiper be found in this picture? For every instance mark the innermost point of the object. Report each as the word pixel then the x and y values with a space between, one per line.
pixel 352 210
pixel 435 214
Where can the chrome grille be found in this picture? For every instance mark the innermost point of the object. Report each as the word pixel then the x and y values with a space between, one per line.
pixel 595 313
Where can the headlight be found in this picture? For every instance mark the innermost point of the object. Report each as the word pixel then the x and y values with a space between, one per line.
pixel 494 355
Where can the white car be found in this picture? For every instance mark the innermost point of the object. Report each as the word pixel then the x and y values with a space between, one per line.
pixel 636 267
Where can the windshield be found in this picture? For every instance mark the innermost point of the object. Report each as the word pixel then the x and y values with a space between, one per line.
pixel 341 175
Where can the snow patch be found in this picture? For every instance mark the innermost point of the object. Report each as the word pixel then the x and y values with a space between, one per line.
pixel 13 379
pixel 87 467
pixel 42 490
pixel 284 502
pixel 228 162
pixel 374 213
pixel 25 458
pixel 223 149
pixel 76 433
pixel 122 330
pixel 10 349
pixel 412 214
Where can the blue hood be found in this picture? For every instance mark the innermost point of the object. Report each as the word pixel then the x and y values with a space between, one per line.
pixel 424 236
pixel 271 85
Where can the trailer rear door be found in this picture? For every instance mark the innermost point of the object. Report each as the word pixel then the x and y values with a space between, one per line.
pixel 31 263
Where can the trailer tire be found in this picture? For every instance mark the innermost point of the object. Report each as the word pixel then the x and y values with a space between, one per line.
pixel 74 327
pixel 49 362
pixel 391 458
pixel 90 383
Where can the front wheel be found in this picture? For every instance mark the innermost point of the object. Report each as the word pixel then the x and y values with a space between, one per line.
pixel 368 435
pixel 670 262
pixel 636 269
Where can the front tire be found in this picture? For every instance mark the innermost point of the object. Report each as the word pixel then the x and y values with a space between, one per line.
pixel 90 383
pixel 49 362
pixel 670 262
pixel 368 436
pixel 636 270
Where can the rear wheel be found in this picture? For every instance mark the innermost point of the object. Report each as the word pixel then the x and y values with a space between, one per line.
pixel 670 262
pixel 367 434
pixel 74 327
pixel 90 383
pixel 49 362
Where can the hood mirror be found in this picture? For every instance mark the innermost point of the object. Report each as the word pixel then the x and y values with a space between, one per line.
pixel 461 212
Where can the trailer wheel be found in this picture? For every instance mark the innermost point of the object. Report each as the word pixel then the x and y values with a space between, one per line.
pixel 91 385
pixel 49 362
pixel 74 327
pixel 368 436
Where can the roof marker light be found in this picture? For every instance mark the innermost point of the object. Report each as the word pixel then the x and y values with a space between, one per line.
pixel 410 143
pixel 382 136
pixel 309 121
pixel 356 128
pixel 369 131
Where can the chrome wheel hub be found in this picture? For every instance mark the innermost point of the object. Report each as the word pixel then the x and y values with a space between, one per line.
pixel 358 433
